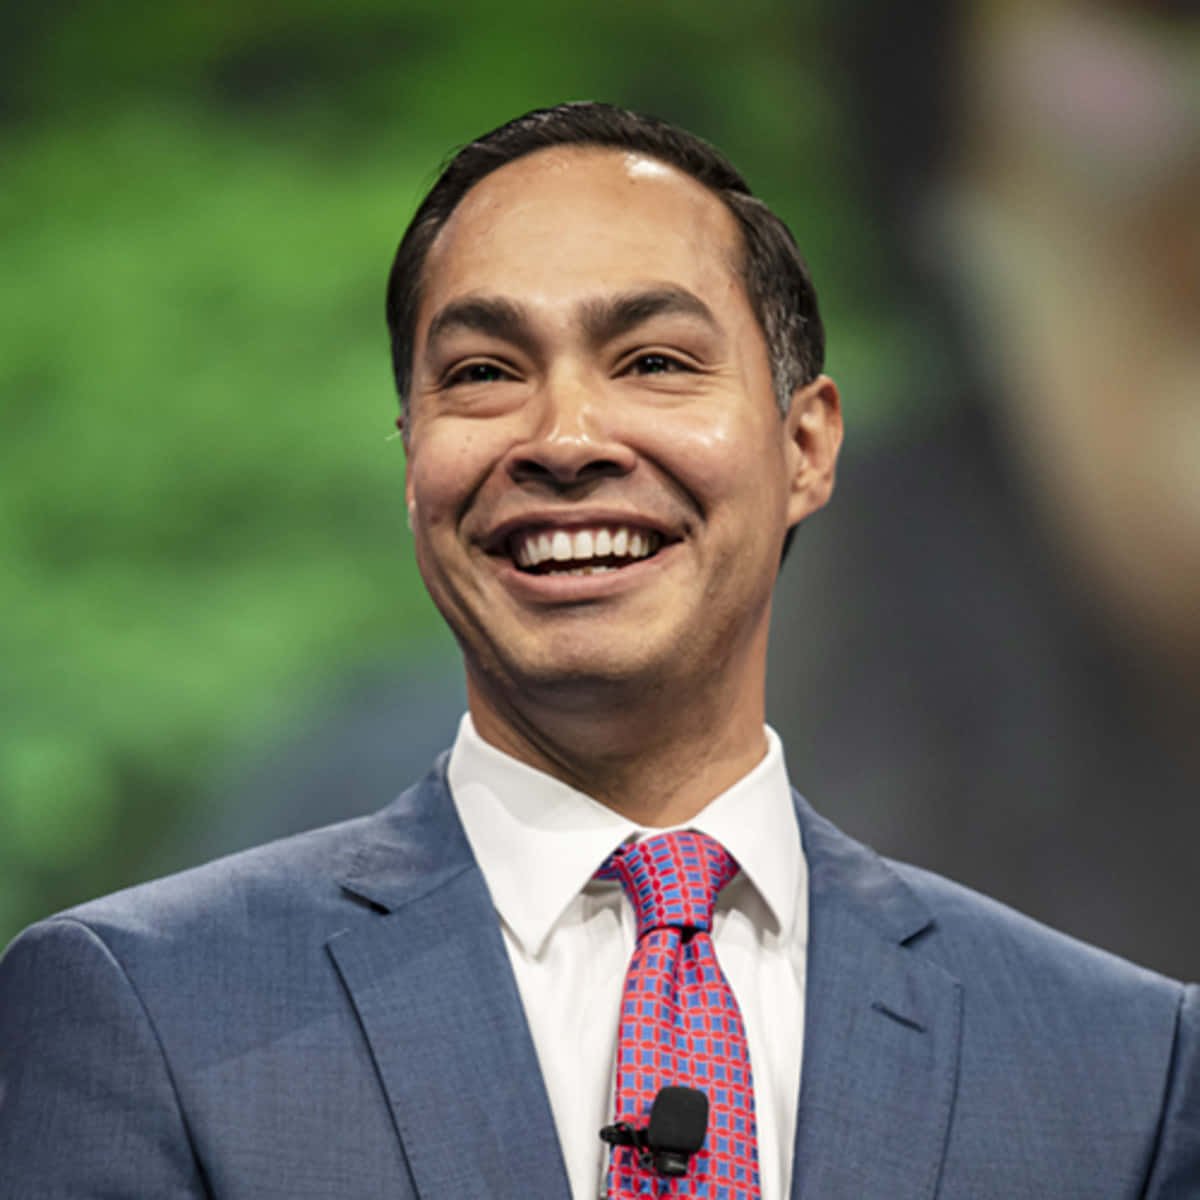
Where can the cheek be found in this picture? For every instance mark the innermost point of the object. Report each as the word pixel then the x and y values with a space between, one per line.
pixel 729 459
pixel 445 467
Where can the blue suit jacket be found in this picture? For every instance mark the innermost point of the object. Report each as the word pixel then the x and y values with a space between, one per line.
pixel 334 1016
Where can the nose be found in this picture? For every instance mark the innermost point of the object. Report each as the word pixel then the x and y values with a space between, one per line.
pixel 574 439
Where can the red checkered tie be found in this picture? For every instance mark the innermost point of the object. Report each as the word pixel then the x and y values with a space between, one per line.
pixel 680 1023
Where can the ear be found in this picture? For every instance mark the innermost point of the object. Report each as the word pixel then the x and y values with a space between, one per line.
pixel 813 426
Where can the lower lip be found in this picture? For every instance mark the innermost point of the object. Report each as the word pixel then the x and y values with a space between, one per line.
pixel 564 588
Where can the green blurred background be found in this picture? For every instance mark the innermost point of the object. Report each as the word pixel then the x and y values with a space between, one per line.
pixel 202 525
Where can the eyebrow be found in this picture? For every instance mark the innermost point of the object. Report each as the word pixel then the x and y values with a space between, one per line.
pixel 607 319
pixel 491 315
pixel 604 319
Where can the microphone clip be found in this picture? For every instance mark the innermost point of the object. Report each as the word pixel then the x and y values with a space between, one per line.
pixel 657 1159
pixel 678 1119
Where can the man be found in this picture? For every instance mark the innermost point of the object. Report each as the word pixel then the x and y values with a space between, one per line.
pixel 609 359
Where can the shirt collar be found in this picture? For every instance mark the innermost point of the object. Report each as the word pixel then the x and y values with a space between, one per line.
pixel 525 825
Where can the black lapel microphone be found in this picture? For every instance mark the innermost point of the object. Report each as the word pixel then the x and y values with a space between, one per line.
pixel 678 1123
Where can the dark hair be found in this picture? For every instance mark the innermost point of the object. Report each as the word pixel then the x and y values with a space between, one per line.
pixel 777 282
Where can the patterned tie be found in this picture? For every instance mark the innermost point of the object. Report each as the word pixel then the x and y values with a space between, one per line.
pixel 680 1023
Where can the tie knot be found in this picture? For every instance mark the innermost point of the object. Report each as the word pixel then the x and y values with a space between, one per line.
pixel 672 879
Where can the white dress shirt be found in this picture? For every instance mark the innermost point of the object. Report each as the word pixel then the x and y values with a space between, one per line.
pixel 539 842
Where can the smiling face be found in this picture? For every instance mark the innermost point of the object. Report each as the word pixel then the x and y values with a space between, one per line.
pixel 599 479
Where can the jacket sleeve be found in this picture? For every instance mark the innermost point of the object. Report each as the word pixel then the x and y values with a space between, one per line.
pixel 87 1104
pixel 1175 1172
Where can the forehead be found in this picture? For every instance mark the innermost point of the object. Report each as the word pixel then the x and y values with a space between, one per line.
pixel 558 225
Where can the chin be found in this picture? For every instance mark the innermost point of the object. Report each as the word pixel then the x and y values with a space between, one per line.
pixel 582 675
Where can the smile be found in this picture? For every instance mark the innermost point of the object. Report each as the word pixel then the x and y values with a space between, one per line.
pixel 586 551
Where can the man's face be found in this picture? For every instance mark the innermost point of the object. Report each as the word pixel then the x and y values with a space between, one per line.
pixel 599 479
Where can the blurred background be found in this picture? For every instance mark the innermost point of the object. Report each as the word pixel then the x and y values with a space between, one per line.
pixel 987 650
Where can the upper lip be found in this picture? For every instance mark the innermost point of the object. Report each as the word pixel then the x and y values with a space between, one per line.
pixel 497 540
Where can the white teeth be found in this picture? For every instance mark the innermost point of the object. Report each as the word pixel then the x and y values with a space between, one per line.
pixel 581 545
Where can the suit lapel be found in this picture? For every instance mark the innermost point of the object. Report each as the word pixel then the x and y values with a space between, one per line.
pixel 434 991
pixel 882 1032
pixel 430 980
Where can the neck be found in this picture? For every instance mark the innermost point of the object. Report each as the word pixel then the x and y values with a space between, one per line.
pixel 657 762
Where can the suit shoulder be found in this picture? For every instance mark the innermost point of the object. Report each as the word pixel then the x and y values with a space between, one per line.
pixel 234 878
pixel 969 934
pixel 983 939
pixel 266 894
pixel 276 902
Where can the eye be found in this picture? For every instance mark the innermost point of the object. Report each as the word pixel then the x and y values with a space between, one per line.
pixel 476 372
pixel 656 363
